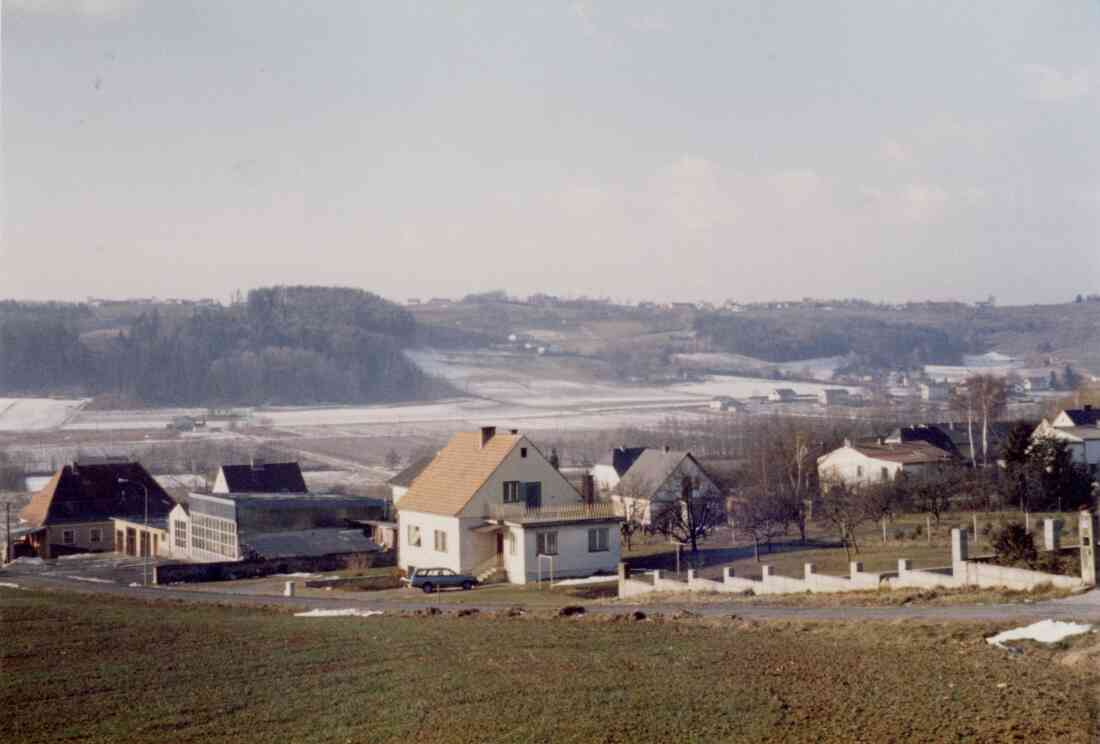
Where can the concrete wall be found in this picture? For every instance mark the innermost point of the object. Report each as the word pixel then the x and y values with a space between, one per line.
pixel 769 583
pixel 962 572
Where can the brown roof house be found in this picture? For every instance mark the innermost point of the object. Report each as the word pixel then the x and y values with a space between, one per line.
pixel 77 511
pixel 491 505
pixel 860 464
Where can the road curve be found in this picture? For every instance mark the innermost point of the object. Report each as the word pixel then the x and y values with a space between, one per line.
pixel 1084 607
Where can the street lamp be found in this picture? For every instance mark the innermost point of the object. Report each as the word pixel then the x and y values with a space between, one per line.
pixel 148 540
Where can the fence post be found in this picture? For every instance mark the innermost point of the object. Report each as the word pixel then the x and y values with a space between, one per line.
pixel 928 527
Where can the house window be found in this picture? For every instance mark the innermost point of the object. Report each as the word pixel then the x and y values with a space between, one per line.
pixel 523 452
pixel 511 543
pixel 95 535
pixel 885 474
pixel 547 543
pixel 414 536
pixel 181 534
pixel 513 494
pixel 859 471
pixel 440 541
pixel 597 540
pixel 68 537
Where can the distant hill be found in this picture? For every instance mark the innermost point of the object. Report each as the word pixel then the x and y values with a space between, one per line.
pixel 284 345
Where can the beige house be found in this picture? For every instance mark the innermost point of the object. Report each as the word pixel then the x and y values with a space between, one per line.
pixel 490 504
pixel 862 464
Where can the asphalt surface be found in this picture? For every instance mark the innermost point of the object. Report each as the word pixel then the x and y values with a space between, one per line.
pixel 91 578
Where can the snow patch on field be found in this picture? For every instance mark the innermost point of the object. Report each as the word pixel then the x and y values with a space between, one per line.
pixel 8 585
pixel 1044 631
pixel 36 414
pixel 588 580
pixel 350 612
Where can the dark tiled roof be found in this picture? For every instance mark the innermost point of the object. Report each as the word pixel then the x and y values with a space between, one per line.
pixel 271 477
pixel 622 458
pixel 929 433
pixel 96 493
pixel 408 475
pixel 1084 416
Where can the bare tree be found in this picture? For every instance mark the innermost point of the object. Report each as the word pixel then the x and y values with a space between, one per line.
pixel 846 508
pixel 692 516
pixel 990 395
pixel 634 494
pixel 759 513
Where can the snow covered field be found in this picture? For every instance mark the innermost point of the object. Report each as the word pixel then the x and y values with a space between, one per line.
pixel 36 414
pixel 497 388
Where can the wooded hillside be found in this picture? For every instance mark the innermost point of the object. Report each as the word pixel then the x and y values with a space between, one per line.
pixel 282 345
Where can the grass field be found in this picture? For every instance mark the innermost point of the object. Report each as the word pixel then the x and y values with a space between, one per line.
pixel 96 669
pixel 788 555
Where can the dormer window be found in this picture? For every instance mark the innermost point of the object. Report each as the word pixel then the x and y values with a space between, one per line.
pixel 523 452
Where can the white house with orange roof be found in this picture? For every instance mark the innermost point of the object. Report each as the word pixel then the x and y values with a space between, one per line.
pixel 490 504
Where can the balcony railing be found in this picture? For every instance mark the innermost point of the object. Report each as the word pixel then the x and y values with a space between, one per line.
pixel 554 512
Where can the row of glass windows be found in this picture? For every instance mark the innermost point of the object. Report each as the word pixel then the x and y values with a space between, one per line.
pixel 214 535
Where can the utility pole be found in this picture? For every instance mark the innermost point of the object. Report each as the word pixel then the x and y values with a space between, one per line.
pixel 7 532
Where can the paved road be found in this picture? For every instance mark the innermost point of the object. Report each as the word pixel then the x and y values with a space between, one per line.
pixel 1084 607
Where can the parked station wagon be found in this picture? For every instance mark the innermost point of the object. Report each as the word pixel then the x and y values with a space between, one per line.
pixel 433 579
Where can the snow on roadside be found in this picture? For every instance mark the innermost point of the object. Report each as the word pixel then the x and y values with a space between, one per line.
pixel 28 561
pixel 298 575
pixel 350 612
pixel 90 579
pixel 588 580
pixel 8 585
pixel 1044 631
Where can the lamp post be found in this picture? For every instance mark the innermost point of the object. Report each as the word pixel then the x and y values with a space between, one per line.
pixel 148 539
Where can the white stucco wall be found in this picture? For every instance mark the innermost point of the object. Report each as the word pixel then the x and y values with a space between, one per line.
pixel 426 556
pixel 848 465
pixel 605 476
pixel 573 558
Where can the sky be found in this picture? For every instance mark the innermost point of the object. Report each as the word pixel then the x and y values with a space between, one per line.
pixel 640 151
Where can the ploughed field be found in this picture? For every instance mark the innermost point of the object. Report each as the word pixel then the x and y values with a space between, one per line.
pixel 88 668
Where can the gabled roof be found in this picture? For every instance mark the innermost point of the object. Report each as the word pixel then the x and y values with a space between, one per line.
pixel 909 453
pixel 654 467
pixel 1083 416
pixel 95 493
pixel 622 458
pixel 457 472
pixel 409 474
pixel 928 433
pixel 270 477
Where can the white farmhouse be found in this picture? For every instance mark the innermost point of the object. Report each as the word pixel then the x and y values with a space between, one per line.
pixel 1079 428
pixel 613 466
pixel 861 464
pixel 657 479
pixel 490 504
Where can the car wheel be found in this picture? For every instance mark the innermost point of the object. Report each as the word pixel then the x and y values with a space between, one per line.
pixel 428 588
pixel 467 586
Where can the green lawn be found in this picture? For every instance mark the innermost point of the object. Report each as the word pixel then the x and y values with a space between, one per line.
pixel 81 667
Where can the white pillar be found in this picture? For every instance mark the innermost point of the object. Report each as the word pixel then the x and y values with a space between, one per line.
pixel 1052 534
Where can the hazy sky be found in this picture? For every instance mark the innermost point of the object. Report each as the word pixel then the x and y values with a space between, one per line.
pixel 678 150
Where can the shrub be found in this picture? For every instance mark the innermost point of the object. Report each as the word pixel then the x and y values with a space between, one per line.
pixel 918 531
pixel 899 534
pixel 986 529
pixel 1014 544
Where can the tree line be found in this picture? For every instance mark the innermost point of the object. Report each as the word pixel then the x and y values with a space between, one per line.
pixel 281 345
